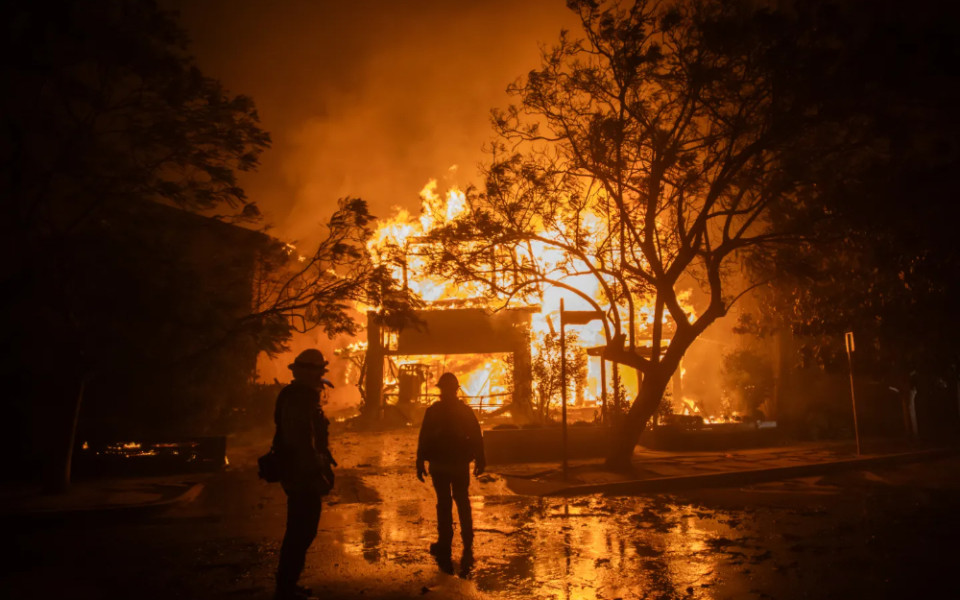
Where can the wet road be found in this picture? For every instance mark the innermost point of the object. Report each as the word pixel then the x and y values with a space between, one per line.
pixel 874 534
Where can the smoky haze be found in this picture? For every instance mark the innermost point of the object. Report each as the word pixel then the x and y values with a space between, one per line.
pixel 365 98
pixel 368 98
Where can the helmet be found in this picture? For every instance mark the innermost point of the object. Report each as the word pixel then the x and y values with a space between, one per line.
pixel 448 381
pixel 311 359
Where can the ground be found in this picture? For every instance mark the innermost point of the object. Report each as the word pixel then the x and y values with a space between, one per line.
pixel 883 533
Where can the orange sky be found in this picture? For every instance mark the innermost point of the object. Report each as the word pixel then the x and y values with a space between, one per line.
pixel 365 98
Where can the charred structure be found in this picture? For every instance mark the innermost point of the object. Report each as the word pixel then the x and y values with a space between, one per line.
pixel 453 331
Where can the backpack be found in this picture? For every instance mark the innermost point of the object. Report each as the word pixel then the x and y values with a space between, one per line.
pixel 270 464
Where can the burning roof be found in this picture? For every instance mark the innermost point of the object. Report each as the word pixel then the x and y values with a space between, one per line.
pixel 406 245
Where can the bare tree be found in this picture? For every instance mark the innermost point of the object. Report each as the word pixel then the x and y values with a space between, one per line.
pixel 301 293
pixel 644 159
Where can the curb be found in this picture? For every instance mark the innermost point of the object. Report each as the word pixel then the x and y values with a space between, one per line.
pixel 729 478
pixel 113 510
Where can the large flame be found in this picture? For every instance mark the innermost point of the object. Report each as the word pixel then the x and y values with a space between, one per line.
pixel 399 243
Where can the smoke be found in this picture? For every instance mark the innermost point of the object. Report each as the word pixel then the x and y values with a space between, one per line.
pixel 365 98
pixel 373 99
pixel 368 99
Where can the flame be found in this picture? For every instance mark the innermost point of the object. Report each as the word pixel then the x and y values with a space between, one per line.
pixel 733 417
pixel 351 349
pixel 395 244
pixel 398 244
pixel 690 406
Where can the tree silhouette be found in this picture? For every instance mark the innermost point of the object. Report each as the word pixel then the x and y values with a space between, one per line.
pixel 646 158
pixel 111 137
pixel 885 264
pixel 322 290
pixel 546 372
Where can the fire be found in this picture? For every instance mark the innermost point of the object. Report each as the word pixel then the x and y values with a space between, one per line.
pixel 690 407
pixel 433 206
pixel 400 244
pixel 733 417
pixel 483 378
pixel 125 449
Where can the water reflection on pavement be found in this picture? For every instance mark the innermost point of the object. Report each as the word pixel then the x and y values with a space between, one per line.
pixel 884 534
pixel 380 521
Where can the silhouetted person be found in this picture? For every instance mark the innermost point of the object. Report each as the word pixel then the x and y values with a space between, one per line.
pixel 306 473
pixel 450 439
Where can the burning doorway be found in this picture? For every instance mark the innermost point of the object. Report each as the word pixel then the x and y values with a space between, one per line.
pixel 483 342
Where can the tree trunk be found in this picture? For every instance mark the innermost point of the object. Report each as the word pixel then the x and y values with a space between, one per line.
pixel 522 413
pixel 61 476
pixel 627 431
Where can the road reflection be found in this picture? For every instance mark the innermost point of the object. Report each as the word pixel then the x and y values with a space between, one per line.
pixel 548 548
pixel 528 547
pixel 372 534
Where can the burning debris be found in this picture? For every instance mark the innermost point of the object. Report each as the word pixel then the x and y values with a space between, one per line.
pixel 152 456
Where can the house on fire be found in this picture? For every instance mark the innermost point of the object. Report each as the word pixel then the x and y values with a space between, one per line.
pixel 453 331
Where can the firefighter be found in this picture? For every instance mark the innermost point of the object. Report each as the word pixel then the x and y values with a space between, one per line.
pixel 306 465
pixel 450 439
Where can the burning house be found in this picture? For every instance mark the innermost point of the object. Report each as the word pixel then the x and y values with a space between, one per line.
pixel 505 350
pixel 495 340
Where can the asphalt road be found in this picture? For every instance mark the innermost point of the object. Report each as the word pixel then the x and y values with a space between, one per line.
pixel 888 533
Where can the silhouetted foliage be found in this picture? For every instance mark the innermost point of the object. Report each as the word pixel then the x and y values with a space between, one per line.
pixel 884 261
pixel 322 290
pixel 650 156
pixel 546 373
pixel 103 112
pixel 748 374
pixel 124 273
pixel 104 104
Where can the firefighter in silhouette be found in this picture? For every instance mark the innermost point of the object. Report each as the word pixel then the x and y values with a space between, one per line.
pixel 306 471
pixel 450 439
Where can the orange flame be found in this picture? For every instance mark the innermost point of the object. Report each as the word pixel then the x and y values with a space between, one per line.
pixel 395 244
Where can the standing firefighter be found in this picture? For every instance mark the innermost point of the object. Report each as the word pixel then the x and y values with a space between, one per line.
pixel 450 439
pixel 306 472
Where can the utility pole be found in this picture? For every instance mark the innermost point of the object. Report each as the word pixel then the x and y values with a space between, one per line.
pixel 848 341
pixel 563 389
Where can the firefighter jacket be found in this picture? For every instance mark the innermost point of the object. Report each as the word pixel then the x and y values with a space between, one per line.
pixel 450 436
pixel 302 437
